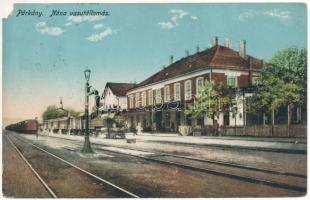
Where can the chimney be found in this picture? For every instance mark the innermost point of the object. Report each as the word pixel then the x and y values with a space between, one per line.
pixel 197 48
pixel 214 40
pixel 242 48
pixel 227 43
pixel 171 59
pixel 187 52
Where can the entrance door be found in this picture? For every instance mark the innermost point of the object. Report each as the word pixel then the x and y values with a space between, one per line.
pixel 158 120
pixel 226 119
pixel 178 118
pixel 131 122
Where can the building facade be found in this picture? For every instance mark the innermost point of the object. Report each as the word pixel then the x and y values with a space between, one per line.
pixel 158 103
pixel 114 96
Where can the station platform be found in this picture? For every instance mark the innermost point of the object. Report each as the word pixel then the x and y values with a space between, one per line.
pixel 285 145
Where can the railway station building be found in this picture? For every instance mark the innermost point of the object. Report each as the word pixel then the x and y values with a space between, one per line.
pixel 114 96
pixel 158 103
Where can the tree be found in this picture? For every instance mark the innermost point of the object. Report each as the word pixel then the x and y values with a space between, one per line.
pixel 283 82
pixel 52 112
pixel 292 63
pixel 274 91
pixel 72 112
pixel 212 101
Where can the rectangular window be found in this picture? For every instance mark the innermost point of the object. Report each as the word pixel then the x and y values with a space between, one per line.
pixel 199 86
pixel 150 96
pixel 130 101
pixel 188 89
pixel 177 89
pixel 158 96
pixel 137 100
pixel 143 99
pixel 231 81
pixel 167 93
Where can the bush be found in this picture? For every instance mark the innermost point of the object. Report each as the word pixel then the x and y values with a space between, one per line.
pixel 185 130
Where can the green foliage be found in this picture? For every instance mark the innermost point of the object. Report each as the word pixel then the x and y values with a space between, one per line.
pixel 212 101
pixel 52 112
pixel 282 82
pixel 292 65
pixel 73 113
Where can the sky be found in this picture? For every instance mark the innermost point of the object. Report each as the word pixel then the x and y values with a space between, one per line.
pixel 44 56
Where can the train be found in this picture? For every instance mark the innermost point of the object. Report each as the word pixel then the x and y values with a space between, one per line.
pixel 98 123
pixel 30 126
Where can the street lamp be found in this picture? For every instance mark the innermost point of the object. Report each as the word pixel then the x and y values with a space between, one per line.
pixel 87 74
pixel 87 147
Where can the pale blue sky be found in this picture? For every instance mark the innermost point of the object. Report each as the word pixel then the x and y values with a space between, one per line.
pixel 44 57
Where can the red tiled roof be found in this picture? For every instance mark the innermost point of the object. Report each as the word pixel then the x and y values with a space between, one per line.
pixel 215 57
pixel 120 89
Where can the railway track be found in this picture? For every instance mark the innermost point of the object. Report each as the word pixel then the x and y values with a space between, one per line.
pixel 45 185
pixel 276 179
pixel 228 173
pixel 204 160
pixel 53 193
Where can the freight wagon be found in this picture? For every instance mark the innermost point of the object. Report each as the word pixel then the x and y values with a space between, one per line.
pixel 76 125
pixel 28 126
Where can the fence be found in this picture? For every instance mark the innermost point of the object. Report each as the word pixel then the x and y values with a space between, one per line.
pixel 264 131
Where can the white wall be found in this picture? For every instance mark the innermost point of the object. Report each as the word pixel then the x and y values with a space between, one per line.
pixel 208 121
pixel 110 100
pixel 239 116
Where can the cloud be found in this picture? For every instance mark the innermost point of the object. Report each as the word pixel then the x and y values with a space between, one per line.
pixel 98 26
pixel 194 18
pixel 43 28
pixel 79 19
pixel 167 25
pixel 100 36
pixel 275 13
pixel 68 24
pixel 177 15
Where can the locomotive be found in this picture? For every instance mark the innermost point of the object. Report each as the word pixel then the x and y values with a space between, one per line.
pixel 29 126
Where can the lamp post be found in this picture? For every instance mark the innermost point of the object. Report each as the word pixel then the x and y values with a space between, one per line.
pixel 87 147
